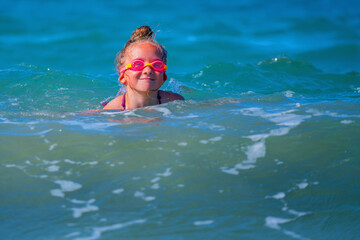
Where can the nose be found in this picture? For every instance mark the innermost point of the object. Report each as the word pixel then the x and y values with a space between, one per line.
pixel 148 69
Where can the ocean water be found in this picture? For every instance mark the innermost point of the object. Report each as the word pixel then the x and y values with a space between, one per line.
pixel 266 145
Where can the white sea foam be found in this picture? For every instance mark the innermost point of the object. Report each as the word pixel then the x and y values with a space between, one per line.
pixel 214 139
pixel 286 118
pixel 97 231
pixel 316 112
pixel 165 174
pixel 302 185
pixel 166 112
pixel 279 195
pixel 118 191
pixel 69 161
pixel 242 166
pixel 68 186
pixel 255 151
pixel 57 193
pixel 78 212
pixel 278 162
pixel 91 126
pixel 182 144
pixel 155 179
pixel 297 213
pixel 185 117
pixel 52 147
pixel 204 222
pixel 346 121
pixel 155 186
pixel 289 93
pixel 274 222
pixel 232 171
pixel 10 165
pixel 53 168
pixel 149 198
pixel 90 163
pixel 142 195
pixel 247 93
pixel 73 234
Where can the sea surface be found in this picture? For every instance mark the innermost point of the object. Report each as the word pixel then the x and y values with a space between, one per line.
pixel 266 145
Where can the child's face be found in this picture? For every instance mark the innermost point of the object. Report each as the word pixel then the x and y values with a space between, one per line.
pixel 146 79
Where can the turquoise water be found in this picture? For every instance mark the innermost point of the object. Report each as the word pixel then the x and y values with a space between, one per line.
pixel 266 145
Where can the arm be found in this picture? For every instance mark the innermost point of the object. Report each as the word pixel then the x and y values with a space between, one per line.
pixel 116 103
pixel 167 96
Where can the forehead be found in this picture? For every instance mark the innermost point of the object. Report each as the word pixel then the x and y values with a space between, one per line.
pixel 144 50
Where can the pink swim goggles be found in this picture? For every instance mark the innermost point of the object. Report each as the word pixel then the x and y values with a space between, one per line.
pixel 138 65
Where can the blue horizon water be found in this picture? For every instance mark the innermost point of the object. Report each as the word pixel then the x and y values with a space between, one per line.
pixel 265 145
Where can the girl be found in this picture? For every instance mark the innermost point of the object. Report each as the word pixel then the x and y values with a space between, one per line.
pixel 141 65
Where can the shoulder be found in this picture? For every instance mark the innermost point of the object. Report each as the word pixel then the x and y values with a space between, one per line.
pixel 167 96
pixel 116 103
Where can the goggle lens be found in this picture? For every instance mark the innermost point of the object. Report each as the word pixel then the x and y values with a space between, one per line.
pixel 139 64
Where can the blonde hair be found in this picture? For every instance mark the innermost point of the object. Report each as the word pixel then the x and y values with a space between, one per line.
pixel 141 34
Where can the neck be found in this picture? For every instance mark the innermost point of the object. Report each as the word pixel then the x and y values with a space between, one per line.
pixel 135 99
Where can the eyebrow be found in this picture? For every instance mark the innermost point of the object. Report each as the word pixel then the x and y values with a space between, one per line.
pixel 159 59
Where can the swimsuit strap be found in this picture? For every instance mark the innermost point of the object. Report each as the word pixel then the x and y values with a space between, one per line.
pixel 158 97
pixel 124 100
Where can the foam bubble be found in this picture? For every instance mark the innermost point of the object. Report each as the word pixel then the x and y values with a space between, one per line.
pixel 289 93
pixel 10 165
pixel 52 147
pixel 182 144
pixel 53 168
pixel 149 198
pixel 155 186
pixel 142 195
pixel 78 212
pixel 68 186
pixel 274 222
pixel 57 193
pixel 296 213
pixel 155 179
pixel 279 195
pixel 215 139
pixel 166 173
pixel 278 162
pixel 98 126
pixel 73 234
pixel 258 137
pixel 97 231
pixel 255 151
pixel 118 191
pixel 205 222
pixel 244 166
pixel 164 111
pixel 232 171
pixel 346 121
pixel 302 185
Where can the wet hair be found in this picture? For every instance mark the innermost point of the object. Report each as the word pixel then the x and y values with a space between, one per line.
pixel 141 34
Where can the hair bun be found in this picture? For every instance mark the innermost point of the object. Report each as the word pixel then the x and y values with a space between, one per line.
pixel 143 32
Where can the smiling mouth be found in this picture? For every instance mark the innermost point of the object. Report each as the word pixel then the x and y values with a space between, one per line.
pixel 147 79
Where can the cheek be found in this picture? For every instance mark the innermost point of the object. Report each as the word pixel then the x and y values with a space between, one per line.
pixel 132 74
